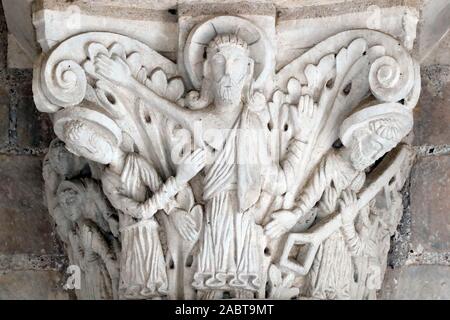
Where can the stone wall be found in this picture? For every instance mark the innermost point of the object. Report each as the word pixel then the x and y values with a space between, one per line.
pixel 30 255
pixel 420 255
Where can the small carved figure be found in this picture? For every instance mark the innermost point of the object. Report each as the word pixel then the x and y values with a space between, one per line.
pixel 126 182
pixel 91 236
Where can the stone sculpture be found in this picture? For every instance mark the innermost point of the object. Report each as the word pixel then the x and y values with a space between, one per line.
pixel 254 184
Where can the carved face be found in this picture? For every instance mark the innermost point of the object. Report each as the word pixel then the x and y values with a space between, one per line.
pixel 89 141
pixel 367 147
pixel 229 69
pixel 70 201
pixel 62 160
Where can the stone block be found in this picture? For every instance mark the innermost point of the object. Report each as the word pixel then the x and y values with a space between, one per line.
pixel 32 285
pixel 34 129
pixel 433 25
pixel 4 117
pixel 416 283
pixel 430 204
pixel 18 18
pixel 17 58
pixel 24 220
pixel 432 114
pixel 56 21
pixel 440 55
pixel 299 28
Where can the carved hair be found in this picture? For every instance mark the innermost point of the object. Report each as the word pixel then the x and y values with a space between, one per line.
pixel 73 131
pixel 390 121
pixel 389 129
pixel 226 40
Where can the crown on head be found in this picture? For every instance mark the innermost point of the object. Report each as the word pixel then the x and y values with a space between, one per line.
pixel 226 40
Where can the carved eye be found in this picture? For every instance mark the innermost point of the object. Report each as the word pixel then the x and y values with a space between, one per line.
pixel 219 59
pixel 218 66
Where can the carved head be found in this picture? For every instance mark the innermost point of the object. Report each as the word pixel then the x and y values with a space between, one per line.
pixel 228 68
pixel 372 132
pixel 89 134
pixel 83 140
pixel 71 198
pixel 62 161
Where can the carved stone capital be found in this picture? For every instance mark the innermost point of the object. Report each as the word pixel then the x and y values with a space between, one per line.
pixel 236 165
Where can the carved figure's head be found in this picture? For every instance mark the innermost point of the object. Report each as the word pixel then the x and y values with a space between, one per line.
pixel 372 132
pixel 71 198
pixel 228 68
pixel 84 140
pixel 89 134
pixel 62 161
pixel 226 58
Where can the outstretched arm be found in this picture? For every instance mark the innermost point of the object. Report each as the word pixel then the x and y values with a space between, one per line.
pixel 118 200
pixel 164 194
pixel 118 71
pixel 284 220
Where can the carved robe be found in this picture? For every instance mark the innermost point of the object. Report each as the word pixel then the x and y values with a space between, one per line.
pixel 230 254
pixel 331 274
pixel 97 260
pixel 142 265
pixel 372 241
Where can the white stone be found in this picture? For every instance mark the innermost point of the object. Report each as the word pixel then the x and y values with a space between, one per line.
pixel 211 191
pixel 54 26
pixel 296 35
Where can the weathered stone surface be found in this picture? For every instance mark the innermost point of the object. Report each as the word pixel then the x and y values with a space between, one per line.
pixel 32 285
pixel 434 23
pixel 3 38
pixel 18 17
pixel 34 129
pixel 440 54
pixel 417 282
pixel 24 222
pixel 57 22
pixel 17 57
pixel 298 29
pixel 229 58
pixel 4 117
pixel 430 205
pixel 433 111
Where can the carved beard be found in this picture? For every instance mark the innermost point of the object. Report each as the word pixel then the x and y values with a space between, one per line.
pixel 227 90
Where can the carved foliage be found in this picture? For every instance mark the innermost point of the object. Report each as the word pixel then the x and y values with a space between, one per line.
pixel 333 113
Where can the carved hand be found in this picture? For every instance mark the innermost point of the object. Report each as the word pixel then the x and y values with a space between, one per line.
pixel 348 207
pixel 303 116
pixel 113 69
pixel 86 236
pixel 282 222
pixel 191 166
pixel 329 200
pixel 257 101
pixel 184 223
